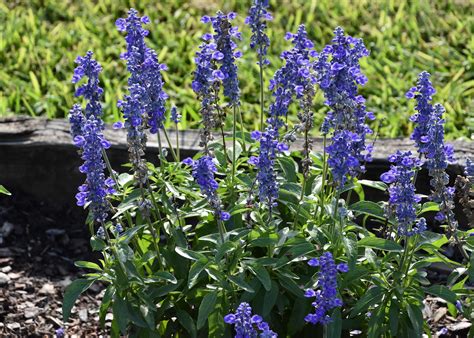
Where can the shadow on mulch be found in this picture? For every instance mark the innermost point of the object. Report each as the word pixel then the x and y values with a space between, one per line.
pixel 38 246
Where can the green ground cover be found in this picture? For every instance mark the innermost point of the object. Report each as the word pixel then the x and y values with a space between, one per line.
pixel 39 40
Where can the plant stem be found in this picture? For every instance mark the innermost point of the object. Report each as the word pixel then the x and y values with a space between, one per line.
pixel 109 168
pixel 152 229
pixel 244 144
pixel 221 227
pixel 177 143
pixel 300 201
pixel 322 193
pixel 113 248
pixel 160 149
pixel 261 91
pixel 175 158
pixel 234 142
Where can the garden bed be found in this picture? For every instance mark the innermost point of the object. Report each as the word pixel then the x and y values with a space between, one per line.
pixel 42 232
pixel 37 262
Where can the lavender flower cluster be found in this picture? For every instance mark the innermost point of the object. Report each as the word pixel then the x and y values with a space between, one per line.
pixel 294 78
pixel 226 53
pixel 428 135
pixel 326 293
pixel 265 162
pixel 144 107
pixel 145 82
pixel 258 14
pixel 203 171
pixel 403 198
pixel 86 130
pixel 338 75
pixel 247 325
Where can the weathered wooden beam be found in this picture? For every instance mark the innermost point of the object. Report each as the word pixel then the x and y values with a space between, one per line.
pixel 37 156
pixel 38 132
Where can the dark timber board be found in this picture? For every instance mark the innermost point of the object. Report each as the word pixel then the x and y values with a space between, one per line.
pixel 37 157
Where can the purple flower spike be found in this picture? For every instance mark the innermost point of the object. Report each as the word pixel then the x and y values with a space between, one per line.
pixel 403 198
pixel 247 325
pixel 258 15
pixel 145 82
pixel 428 135
pixel 339 76
pixel 86 131
pixel 326 296
pixel 203 171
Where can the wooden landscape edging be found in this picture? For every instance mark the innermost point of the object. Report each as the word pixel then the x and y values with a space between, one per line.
pixel 37 156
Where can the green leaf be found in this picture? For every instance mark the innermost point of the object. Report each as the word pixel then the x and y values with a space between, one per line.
pixel 416 317
pixel 225 248
pixel 73 291
pixel 270 299
pixel 189 254
pixel 263 242
pixel 206 307
pixel 194 272
pixel 165 275
pixel 264 277
pixel 380 243
pixel 240 282
pixel 87 265
pixel 4 191
pixel 371 297
pixel 120 311
pixel 374 184
pixel 238 151
pixel 353 276
pixel 394 314
pixel 187 322
pixel 164 290
pixel 290 285
pixel 368 208
pixel 97 244
pixel 471 268
pixel 124 179
pixel 429 206
pixel 105 304
pixel 289 168
pixel 443 292
pixel 128 234
pixel 334 328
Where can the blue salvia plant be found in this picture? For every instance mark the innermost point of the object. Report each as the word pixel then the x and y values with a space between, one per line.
pixel 259 241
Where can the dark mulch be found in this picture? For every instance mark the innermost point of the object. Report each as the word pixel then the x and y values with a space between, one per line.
pixel 38 247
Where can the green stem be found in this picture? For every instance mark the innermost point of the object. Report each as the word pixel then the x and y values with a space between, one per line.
pixel 160 150
pixel 261 93
pixel 113 248
pixel 177 143
pixel 152 230
pixel 300 201
pixel 221 227
pixel 323 178
pixel 244 144
pixel 175 158
pixel 109 168
pixel 223 143
pixel 234 142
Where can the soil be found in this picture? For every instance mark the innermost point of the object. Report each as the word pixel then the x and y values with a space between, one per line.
pixel 38 247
